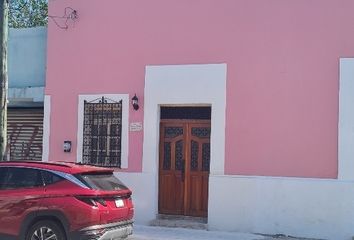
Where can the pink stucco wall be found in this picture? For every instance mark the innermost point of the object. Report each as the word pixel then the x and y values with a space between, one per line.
pixel 282 79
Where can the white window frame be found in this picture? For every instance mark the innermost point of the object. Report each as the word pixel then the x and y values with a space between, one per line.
pixel 125 123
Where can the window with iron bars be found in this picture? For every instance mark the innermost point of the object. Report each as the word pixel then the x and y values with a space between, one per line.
pixel 102 132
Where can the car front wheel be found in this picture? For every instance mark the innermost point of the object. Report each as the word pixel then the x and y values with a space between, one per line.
pixel 44 230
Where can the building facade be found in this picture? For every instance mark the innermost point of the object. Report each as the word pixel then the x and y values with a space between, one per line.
pixel 27 70
pixel 245 108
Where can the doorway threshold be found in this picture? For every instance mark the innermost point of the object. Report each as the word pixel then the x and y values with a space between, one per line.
pixel 180 221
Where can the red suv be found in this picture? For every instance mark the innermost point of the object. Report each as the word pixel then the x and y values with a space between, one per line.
pixel 62 201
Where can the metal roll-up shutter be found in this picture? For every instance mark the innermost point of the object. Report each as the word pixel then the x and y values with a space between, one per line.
pixel 24 133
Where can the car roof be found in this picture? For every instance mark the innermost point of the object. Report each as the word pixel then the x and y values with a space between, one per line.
pixel 66 167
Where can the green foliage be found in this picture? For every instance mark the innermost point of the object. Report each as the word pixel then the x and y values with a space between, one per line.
pixel 28 13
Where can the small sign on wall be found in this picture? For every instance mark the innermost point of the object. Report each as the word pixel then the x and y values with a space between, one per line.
pixel 136 126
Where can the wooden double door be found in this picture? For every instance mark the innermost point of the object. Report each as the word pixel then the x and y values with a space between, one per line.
pixel 184 167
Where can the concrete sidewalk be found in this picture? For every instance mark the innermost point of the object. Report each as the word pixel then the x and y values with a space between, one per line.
pixel 163 233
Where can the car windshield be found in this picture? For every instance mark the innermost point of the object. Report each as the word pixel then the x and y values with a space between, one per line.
pixel 101 181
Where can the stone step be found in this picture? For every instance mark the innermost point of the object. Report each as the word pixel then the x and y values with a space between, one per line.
pixel 180 222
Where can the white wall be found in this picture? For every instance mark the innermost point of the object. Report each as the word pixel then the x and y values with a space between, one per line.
pixel 144 195
pixel 313 208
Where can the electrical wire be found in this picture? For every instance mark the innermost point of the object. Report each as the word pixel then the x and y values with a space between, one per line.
pixel 70 14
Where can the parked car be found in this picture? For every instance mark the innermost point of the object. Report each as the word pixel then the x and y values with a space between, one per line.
pixel 62 201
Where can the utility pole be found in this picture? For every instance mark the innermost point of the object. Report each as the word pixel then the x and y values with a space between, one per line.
pixel 4 10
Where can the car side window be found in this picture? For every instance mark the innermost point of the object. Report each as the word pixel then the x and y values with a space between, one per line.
pixel 51 178
pixel 3 171
pixel 16 178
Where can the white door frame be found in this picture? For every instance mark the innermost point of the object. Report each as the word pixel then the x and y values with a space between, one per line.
pixel 167 85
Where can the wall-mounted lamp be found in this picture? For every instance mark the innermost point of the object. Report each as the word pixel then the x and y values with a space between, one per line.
pixel 135 102
pixel 67 146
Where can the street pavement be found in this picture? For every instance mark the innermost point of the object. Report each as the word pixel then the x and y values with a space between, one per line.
pixel 163 233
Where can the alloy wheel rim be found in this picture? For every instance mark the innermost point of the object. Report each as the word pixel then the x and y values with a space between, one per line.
pixel 44 233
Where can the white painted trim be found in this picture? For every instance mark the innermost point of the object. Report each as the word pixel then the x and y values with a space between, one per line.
pixel 46 128
pixel 346 120
pixel 125 123
pixel 198 84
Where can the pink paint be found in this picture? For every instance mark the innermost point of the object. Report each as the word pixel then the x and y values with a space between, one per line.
pixel 282 59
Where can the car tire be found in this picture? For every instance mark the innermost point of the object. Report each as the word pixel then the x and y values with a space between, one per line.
pixel 45 229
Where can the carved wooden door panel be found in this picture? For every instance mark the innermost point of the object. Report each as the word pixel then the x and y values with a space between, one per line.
pixel 197 170
pixel 171 179
pixel 184 167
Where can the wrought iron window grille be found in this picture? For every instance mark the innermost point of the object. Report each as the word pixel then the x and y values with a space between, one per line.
pixel 102 132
